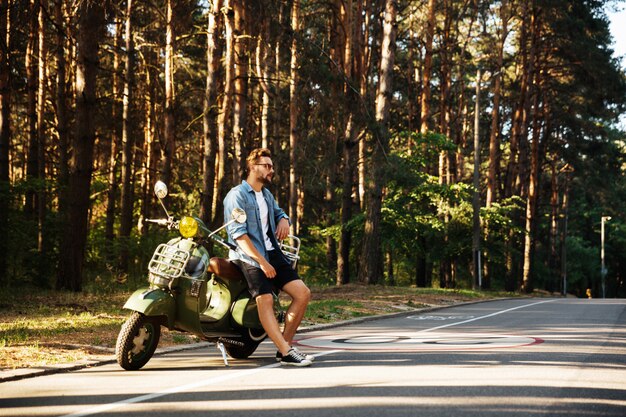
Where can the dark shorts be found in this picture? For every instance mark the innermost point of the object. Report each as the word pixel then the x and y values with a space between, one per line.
pixel 259 284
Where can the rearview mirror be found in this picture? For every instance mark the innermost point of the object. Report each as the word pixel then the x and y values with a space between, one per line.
pixel 239 215
pixel 160 189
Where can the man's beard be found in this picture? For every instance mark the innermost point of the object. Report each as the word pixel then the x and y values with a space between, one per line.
pixel 267 179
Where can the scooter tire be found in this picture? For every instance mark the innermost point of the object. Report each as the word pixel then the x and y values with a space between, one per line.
pixel 249 342
pixel 137 341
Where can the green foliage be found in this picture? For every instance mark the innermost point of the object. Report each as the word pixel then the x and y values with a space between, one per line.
pixel 422 217
pixel 503 230
pixel 580 87
pixel 26 264
pixel 582 266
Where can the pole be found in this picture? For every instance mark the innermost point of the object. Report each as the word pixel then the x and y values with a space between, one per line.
pixel 476 198
pixel 564 241
pixel 567 170
pixel 603 270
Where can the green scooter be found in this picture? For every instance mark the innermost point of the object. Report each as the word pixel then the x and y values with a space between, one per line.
pixel 192 292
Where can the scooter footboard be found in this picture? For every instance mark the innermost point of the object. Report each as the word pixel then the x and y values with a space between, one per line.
pixel 153 303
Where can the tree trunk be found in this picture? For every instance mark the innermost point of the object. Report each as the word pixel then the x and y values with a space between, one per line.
pixel 240 100
pixel 445 269
pixel 353 67
pixel 61 104
pixel 278 63
pixel 210 112
pixel 149 150
pixel 428 64
pixel 329 210
pixel 116 134
pixel 75 229
pixel 32 167
pixel 553 259
pixel 265 76
pixel 533 182
pixel 5 135
pixel 225 111
pixel 371 263
pixel 170 99
pixel 294 112
pixel 264 71
pixel 364 63
pixel 41 134
pixel 518 128
pixel 128 142
pixel 350 146
pixel 494 134
pixel 518 134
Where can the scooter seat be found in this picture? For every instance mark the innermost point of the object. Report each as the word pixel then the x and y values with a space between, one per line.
pixel 225 269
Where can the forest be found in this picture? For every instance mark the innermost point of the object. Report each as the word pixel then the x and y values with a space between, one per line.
pixel 446 144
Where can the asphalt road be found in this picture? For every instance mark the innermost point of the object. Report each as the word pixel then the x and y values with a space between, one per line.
pixel 524 357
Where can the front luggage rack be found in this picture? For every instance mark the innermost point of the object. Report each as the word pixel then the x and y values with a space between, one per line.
pixel 291 251
pixel 168 261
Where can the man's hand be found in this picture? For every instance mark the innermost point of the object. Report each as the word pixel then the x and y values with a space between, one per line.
pixel 282 229
pixel 268 269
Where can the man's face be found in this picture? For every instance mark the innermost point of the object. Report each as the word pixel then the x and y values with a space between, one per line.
pixel 264 170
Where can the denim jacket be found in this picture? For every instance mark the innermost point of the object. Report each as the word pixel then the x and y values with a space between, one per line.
pixel 243 197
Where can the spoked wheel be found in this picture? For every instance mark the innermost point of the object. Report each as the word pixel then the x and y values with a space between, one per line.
pixel 137 341
pixel 245 346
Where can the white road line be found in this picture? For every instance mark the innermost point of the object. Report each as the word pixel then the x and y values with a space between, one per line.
pixel 497 313
pixel 210 381
pixel 147 397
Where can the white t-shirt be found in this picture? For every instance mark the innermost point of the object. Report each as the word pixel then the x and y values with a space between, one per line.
pixel 264 218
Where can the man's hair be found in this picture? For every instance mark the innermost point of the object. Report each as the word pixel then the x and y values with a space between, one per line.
pixel 254 156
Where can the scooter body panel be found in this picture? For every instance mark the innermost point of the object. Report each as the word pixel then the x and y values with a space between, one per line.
pixel 245 312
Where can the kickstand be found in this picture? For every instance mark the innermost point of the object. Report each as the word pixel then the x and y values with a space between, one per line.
pixel 222 349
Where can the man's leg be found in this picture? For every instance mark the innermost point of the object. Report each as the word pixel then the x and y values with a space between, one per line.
pixel 265 306
pixel 300 295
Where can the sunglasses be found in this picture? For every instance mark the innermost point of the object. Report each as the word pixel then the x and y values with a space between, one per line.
pixel 269 167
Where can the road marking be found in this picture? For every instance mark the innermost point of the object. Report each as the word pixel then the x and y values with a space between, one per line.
pixel 439 318
pixel 497 313
pixel 417 341
pixel 174 390
pixel 420 342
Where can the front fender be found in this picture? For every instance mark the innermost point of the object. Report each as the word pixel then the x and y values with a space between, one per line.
pixel 153 302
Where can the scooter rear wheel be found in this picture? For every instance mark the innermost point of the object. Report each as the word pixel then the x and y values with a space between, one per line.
pixel 244 347
pixel 137 341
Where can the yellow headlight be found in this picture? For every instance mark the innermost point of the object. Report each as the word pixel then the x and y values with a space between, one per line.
pixel 188 227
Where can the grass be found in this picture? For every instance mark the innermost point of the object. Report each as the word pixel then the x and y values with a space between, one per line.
pixel 40 328
pixel 327 311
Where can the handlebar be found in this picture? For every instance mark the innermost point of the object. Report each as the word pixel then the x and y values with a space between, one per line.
pixel 169 222
pixel 161 222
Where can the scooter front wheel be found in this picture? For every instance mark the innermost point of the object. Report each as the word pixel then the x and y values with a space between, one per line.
pixel 137 341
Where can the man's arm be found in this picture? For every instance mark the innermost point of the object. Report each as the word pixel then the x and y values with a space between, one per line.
pixel 249 249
